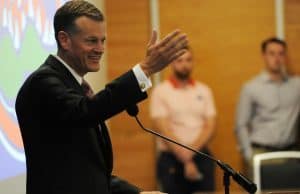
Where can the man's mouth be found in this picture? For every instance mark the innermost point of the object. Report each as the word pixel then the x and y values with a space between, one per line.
pixel 95 57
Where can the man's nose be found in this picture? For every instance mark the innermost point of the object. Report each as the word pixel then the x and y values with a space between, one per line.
pixel 99 48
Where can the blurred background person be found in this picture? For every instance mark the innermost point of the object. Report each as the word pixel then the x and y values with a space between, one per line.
pixel 268 110
pixel 183 109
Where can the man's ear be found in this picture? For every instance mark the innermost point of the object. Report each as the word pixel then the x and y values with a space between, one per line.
pixel 64 40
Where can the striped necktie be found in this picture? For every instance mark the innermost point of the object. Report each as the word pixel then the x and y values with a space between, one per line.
pixel 87 88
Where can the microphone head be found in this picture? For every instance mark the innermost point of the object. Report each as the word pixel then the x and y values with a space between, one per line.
pixel 247 184
pixel 133 110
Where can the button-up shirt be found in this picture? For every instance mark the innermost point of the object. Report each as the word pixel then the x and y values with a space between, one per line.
pixel 268 113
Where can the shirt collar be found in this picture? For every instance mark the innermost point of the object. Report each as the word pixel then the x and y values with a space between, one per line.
pixel 78 78
pixel 175 83
pixel 265 76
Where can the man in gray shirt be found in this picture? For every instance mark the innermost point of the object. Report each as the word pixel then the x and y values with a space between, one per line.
pixel 268 111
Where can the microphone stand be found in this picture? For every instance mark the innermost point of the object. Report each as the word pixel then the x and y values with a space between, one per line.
pixel 227 169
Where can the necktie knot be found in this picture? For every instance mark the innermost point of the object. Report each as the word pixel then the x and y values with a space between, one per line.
pixel 87 88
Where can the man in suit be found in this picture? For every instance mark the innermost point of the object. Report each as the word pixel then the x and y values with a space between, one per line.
pixel 67 145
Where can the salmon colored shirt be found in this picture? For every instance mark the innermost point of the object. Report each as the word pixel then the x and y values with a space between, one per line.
pixel 185 108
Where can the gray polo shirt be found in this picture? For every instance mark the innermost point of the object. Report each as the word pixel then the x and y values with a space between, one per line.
pixel 268 112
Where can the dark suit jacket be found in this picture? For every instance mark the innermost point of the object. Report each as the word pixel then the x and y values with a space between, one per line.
pixel 66 153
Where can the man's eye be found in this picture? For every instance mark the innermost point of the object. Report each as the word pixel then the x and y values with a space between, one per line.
pixel 92 40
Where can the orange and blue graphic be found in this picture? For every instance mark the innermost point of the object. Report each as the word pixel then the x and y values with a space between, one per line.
pixel 26 38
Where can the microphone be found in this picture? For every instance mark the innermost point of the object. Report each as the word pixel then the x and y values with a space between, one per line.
pixel 247 184
pixel 133 110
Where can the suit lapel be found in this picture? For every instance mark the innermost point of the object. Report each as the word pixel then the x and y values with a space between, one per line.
pixel 64 72
pixel 103 138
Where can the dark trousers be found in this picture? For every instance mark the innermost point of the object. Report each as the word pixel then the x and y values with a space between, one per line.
pixel 170 173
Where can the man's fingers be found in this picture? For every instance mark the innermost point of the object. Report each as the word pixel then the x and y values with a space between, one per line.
pixel 173 49
pixel 177 54
pixel 177 43
pixel 169 37
pixel 160 54
pixel 153 38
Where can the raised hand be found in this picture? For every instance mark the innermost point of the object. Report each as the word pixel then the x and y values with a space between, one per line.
pixel 161 53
